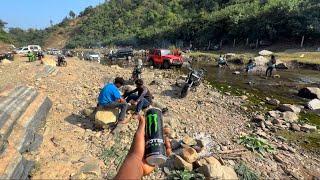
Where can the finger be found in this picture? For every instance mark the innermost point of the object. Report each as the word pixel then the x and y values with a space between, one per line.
pixel 168 146
pixel 138 145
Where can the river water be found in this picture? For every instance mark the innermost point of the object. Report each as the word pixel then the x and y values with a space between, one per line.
pixel 284 88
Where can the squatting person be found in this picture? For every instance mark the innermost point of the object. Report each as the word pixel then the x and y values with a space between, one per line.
pixel 110 98
pixel 142 100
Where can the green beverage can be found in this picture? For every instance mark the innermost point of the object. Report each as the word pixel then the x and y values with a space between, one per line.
pixel 155 151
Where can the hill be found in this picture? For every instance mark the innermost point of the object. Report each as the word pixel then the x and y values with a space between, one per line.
pixel 181 22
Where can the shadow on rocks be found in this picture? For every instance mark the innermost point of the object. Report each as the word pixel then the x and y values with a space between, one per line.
pixel 82 122
pixel 174 92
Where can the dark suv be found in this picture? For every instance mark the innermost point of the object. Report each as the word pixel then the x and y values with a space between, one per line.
pixel 126 53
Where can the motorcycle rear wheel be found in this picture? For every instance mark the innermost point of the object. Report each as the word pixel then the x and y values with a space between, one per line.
pixel 184 91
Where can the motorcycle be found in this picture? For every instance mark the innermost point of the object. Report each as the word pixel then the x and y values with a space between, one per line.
pixel 61 61
pixel 136 73
pixel 193 80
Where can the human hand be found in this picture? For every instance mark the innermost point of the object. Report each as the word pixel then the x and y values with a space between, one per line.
pixel 138 146
pixel 133 102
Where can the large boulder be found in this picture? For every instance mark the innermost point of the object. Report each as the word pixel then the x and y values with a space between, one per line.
pixel 180 164
pixel 314 104
pixel 103 118
pixel 310 92
pixel 265 53
pixel 261 61
pixel 290 116
pixel 211 168
pixel 289 107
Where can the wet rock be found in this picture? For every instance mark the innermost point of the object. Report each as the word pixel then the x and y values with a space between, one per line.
pixel 189 141
pixel 308 128
pixel 189 154
pixel 181 164
pixel 310 93
pixel 289 107
pixel 258 118
pixel 295 127
pixel 290 116
pixel 273 102
pixel 314 104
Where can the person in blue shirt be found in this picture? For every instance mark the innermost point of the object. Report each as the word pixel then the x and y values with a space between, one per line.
pixel 110 98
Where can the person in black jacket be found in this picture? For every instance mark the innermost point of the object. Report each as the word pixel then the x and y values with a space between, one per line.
pixel 142 100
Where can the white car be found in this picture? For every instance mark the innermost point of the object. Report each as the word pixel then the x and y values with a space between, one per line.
pixel 26 49
pixel 92 56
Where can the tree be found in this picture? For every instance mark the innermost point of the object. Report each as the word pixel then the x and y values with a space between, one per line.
pixel 2 24
pixel 72 14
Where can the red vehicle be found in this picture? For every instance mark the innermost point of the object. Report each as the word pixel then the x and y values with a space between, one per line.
pixel 165 58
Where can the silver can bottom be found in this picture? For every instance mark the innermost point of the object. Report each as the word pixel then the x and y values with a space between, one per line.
pixel 156 160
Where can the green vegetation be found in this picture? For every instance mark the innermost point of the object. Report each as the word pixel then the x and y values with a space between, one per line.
pixel 184 175
pixel 255 143
pixel 3 34
pixel 179 22
pixel 185 22
pixel 245 173
pixel 308 141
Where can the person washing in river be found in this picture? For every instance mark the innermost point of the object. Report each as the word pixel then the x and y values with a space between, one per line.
pixel 142 100
pixel 222 61
pixel 271 65
pixel 251 64
pixel 110 98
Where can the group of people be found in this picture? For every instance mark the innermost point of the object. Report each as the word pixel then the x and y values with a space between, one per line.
pixel 251 64
pixel 110 98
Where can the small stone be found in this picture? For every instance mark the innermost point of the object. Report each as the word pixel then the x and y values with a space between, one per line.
pixel 277 121
pixel 189 141
pixel 87 112
pixel 189 154
pixel 294 127
pixel 273 102
pixel 289 107
pixel 314 104
pixel 308 128
pixel 279 158
pixel 244 97
pixel 258 118
pixel 290 116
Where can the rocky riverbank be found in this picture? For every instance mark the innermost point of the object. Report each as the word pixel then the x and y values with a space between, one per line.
pixel 73 148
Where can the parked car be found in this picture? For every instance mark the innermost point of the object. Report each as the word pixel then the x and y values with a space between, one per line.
pixel 26 49
pixel 92 56
pixel 126 53
pixel 165 58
